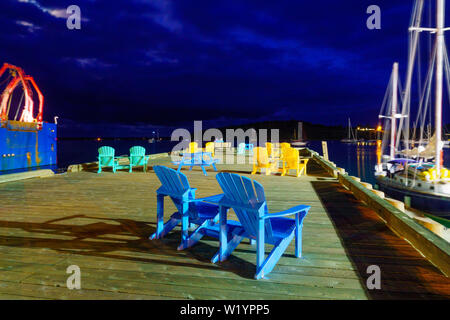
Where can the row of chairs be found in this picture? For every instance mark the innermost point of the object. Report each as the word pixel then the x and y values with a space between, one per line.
pixel 268 159
pixel 193 148
pixel 107 158
pixel 246 197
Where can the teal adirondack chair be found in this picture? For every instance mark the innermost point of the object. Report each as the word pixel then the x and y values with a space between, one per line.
pixel 138 158
pixel 248 201
pixel 190 210
pixel 241 148
pixel 106 159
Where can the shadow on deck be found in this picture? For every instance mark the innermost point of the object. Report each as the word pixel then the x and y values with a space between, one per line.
pixel 108 236
pixel 405 274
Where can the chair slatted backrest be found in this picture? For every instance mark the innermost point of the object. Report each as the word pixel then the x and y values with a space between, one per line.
pixel 106 155
pixel 245 196
pixel 292 158
pixel 284 149
pixel 193 147
pixel 137 155
pixel 209 147
pixel 260 156
pixel 174 184
pixel 269 147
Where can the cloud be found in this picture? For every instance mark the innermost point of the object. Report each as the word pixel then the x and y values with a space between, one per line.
pixel 89 62
pixel 59 13
pixel 30 26
pixel 164 15
pixel 298 51
pixel 157 56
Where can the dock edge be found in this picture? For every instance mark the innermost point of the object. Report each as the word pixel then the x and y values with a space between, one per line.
pixel 431 246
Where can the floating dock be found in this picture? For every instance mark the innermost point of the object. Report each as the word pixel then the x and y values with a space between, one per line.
pixel 101 223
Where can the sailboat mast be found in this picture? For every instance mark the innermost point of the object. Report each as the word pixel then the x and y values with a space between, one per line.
pixel 349 128
pixel 394 107
pixel 440 17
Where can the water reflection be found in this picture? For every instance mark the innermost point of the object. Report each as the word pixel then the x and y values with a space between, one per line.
pixel 359 159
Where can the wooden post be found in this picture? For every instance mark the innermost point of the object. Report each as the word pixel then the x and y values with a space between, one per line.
pixel 325 150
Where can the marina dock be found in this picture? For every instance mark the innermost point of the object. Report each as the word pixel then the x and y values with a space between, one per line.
pixel 101 223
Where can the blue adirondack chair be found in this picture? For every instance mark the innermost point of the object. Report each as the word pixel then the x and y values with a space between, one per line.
pixel 248 201
pixel 138 158
pixel 190 210
pixel 249 147
pixel 106 158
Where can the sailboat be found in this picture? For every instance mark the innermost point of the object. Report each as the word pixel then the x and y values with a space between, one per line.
pixel 351 138
pixel 299 142
pixel 417 174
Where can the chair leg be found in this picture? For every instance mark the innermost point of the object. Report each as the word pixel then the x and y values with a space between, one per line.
pixel 168 226
pixel 231 245
pixel 260 252
pixel 159 215
pixel 163 228
pixel 196 235
pixel 298 241
pixel 185 224
pixel 298 235
pixel 267 266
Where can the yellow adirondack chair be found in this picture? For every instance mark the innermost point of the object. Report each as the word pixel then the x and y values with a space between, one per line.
pixel 193 147
pixel 292 161
pixel 273 152
pixel 209 147
pixel 284 147
pixel 261 161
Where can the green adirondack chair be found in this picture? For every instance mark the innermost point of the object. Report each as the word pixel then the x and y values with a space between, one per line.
pixel 106 158
pixel 138 158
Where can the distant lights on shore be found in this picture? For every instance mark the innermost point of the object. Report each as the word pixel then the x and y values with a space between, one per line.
pixel 366 129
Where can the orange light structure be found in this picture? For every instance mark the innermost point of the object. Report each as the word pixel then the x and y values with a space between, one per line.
pixel 20 77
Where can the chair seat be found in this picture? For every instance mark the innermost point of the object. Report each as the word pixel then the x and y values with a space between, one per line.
pixel 205 211
pixel 214 230
pixel 281 227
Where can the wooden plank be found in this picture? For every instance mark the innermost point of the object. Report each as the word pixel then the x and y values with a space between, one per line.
pixel 101 222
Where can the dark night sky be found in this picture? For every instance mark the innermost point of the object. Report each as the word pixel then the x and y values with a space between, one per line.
pixel 164 62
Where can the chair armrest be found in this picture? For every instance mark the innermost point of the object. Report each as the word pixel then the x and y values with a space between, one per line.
pixel 288 212
pixel 212 199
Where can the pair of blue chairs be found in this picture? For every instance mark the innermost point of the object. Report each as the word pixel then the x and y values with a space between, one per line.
pixel 107 158
pixel 246 197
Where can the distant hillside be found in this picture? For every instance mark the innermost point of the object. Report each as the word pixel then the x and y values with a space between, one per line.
pixel 288 130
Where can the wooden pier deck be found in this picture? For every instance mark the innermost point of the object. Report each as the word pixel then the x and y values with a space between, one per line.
pixel 101 222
